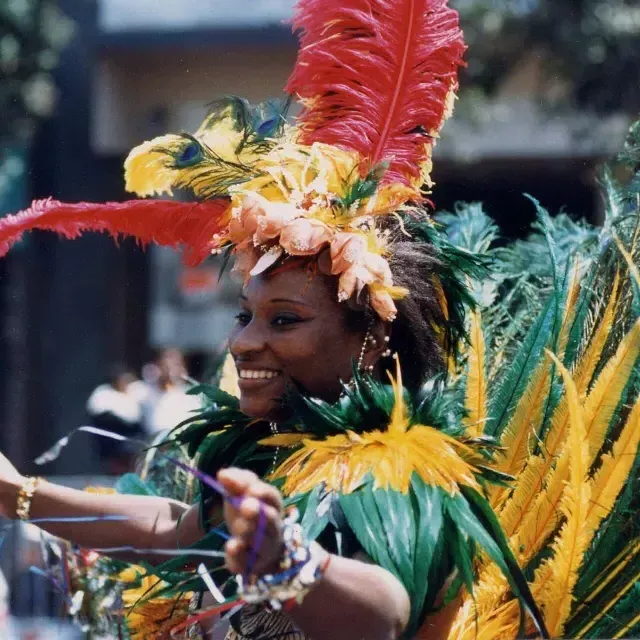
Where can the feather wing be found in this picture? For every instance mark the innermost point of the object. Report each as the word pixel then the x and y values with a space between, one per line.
pixel 167 223
pixel 377 77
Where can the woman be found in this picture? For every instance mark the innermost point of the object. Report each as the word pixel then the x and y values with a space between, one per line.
pixel 291 331
pixel 352 310
pixel 285 322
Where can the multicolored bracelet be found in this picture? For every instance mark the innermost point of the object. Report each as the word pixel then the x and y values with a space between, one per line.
pixel 25 497
pixel 301 567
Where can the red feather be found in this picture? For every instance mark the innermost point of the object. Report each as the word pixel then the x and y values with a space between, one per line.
pixel 165 222
pixel 374 76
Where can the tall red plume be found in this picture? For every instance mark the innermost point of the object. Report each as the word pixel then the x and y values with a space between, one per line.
pixel 165 222
pixel 374 76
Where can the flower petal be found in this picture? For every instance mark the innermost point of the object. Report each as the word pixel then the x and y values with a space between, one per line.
pixel 305 236
pixel 382 303
pixel 347 248
pixel 267 260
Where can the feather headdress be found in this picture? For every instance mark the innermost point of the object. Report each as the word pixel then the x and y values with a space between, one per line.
pixel 376 79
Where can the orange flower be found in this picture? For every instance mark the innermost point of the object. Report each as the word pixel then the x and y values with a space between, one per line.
pixel 382 303
pixel 273 218
pixel 352 280
pixel 347 249
pixel 246 259
pixel 379 267
pixel 244 222
pixel 305 236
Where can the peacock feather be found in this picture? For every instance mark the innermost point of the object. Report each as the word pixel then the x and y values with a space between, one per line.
pixel 220 154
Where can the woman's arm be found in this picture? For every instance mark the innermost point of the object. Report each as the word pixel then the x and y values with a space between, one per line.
pixel 353 600
pixel 148 522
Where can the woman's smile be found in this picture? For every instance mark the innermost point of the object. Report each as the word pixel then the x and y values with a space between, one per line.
pixel 256 378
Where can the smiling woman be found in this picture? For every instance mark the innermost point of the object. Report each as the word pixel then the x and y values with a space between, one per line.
pixel 292 330
pixel 360 485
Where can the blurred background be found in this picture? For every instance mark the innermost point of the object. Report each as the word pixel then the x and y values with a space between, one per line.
pixel 89 331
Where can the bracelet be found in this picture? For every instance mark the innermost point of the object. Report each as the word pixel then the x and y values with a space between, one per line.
pixel 25 497
pixel 302 566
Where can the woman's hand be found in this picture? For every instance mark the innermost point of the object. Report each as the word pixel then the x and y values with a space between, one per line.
pixel 10 483
pixel 242 521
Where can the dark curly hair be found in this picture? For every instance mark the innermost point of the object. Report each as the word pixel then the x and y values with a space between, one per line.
pixel 430 318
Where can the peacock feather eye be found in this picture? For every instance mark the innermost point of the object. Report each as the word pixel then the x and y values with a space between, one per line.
pixel 267 127
pixel 189 154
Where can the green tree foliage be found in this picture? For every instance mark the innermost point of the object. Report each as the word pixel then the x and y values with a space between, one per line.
pixel 32 34
pixel 589 49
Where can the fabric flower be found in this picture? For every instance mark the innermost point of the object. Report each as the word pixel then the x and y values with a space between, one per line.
pixel 353 280
pixel 244 222
pixel 246 259
pixel 382 303
pixel 305 236
pixel 266 260
pixel 379 267
pixel 347 249
pixel 272 220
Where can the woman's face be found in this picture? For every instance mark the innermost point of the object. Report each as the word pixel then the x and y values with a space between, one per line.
pixel 291 327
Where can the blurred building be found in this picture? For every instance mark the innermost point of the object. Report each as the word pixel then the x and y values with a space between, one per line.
pixel 139 68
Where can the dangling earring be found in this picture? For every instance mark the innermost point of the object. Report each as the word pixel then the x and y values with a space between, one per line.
pixel 368 340
pixel 387 353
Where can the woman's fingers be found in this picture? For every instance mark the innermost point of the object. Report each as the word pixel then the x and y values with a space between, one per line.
pixel 256 509
pixel 236 556
pixel 266 494
pixel 240 482
pixel 237 481
pixel 247 521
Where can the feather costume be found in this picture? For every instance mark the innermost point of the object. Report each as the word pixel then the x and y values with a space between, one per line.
pixel 509 486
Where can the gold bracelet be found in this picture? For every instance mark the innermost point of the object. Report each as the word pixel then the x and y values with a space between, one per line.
pixel 25 496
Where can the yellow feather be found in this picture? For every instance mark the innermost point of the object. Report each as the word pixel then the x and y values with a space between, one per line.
pixel 343 461
pixel 524 423
pixel 612 475
pixel 623 632
pixel 541 520
pixel 284 440
pixel 599 407
pixel 607 390
pixel 569 308
pixel 572 542
pixel 629 259
pixel 476 392
pixel 590 358
pixel 398 423
pixel 603 612
pixel 527 488
pixel 151 168
pixel 611 571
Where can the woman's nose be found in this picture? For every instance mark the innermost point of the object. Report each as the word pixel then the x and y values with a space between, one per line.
pixel 247 340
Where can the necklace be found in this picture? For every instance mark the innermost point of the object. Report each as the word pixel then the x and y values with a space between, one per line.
pixel 274 430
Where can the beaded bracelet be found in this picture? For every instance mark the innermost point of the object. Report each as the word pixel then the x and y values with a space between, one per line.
pixel 25 497
pixel 302 565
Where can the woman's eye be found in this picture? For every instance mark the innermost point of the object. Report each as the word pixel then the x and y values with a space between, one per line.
pixel 243 318
pixel 284 319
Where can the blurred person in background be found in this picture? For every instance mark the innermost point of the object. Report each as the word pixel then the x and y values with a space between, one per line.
pixel 114 406
pixel 162 392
